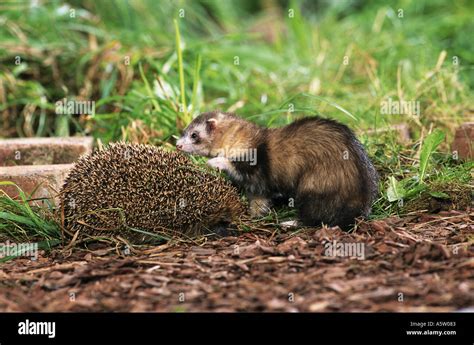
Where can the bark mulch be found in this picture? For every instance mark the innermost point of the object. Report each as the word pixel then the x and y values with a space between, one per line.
pixel 423 262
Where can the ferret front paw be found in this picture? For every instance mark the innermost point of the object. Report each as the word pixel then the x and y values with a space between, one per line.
pixel 220 163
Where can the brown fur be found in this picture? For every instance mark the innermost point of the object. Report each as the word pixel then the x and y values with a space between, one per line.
pixel 316 162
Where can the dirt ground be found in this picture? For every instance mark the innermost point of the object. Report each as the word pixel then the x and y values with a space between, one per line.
pixel 417 263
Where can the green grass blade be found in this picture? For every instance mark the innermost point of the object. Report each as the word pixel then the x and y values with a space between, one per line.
pixel 150 93
pixel 196 83
pixel 184 117
pixel 430 144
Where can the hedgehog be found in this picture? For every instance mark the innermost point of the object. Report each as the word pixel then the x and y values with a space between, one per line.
pixel 134 190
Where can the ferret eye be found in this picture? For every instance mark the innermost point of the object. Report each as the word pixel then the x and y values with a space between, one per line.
pixel 194 135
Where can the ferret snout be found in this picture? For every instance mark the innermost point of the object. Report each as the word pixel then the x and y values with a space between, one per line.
pixel 179 144
pixel 184 145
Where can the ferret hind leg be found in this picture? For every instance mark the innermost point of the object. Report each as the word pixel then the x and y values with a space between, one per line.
pixel 259 206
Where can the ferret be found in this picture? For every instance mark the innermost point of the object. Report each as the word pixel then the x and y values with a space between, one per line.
pixel 314 164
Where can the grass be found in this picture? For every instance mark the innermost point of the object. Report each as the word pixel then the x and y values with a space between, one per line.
pixel 151 66
pixel 386 56
pixel 417 173
pixel 22 223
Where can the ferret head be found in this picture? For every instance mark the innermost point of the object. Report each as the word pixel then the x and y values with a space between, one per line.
pixel 200 135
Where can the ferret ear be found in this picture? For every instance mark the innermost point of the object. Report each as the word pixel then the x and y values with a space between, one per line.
pixel 211 124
